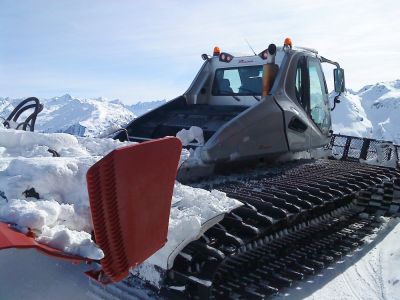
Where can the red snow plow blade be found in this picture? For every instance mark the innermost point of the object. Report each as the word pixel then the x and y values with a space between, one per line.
pixel 130 193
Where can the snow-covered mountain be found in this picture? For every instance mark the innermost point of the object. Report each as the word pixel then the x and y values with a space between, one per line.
pixel 350 118
pixel 372 111
pixel 141 108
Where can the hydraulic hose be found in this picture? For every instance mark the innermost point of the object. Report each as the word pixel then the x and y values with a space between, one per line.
pixel 20 109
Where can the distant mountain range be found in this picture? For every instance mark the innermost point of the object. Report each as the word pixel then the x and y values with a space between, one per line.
pixel 142 107
pixel 373 111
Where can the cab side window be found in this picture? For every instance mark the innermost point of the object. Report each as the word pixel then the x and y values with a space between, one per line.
pixel 300 82
pixel 319 109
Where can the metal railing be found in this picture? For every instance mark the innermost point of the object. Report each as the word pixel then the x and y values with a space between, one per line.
pixel 349 147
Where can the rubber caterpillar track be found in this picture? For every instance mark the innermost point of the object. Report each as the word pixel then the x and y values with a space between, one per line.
pixel 263 246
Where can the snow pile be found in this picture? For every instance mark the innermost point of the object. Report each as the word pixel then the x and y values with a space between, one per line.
pixel 191 208
pixel 191 157
pixel 61 215
pixel 48 194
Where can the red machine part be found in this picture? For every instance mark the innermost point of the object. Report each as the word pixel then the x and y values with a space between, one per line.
pixel 11 238
pixel 130 192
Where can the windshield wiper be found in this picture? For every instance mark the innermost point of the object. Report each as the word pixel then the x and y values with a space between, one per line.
pixel 248 90
pixel 236 98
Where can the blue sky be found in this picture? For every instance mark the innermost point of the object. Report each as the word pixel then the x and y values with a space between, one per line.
pixel 148 50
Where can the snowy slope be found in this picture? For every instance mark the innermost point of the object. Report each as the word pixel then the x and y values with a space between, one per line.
pixel 373 112
pixel 350 118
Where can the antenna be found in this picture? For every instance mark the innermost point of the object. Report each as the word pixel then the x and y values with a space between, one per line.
pixel 248 44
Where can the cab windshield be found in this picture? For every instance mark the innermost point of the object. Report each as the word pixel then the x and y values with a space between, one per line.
pixel 242 81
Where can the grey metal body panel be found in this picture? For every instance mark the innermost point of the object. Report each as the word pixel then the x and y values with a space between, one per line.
pixel 170 118
pixel 255 132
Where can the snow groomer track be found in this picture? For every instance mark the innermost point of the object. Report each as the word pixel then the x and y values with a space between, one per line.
pixel 296 220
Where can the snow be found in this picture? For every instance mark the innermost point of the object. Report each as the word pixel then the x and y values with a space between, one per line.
pixel 371 112
pixel 350 118
pixel 191 208
pixel 40 213
pixel 191 157
pixel 381 159
pixel 194 133
pixel 70 241
pixel 141 108
pixel 28 274
pixel 61 216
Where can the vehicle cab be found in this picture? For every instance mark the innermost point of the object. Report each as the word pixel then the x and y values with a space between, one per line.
pixel 240 118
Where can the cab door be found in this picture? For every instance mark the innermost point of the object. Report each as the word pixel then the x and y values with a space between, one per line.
pixel 306 111
pixel 317 95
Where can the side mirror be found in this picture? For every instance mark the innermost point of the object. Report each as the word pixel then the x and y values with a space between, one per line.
pixel 338 75
pixel 205 56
